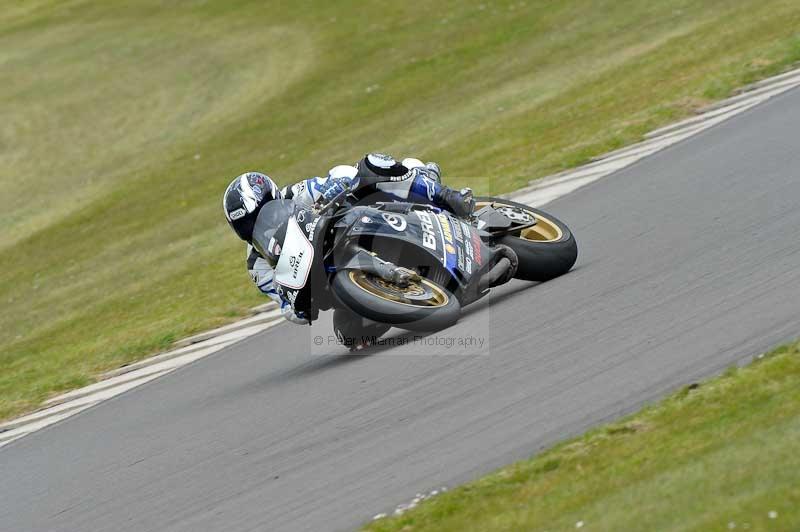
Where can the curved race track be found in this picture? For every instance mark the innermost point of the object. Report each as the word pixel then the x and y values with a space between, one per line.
pixel 690 262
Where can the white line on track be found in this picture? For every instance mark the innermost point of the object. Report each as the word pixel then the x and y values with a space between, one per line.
pixel 128 377
pixel 539 193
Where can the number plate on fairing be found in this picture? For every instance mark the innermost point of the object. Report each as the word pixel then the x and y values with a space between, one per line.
pixel 296 258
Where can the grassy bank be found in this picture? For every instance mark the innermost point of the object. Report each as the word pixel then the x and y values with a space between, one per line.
pixel 123 122
pixel 724 455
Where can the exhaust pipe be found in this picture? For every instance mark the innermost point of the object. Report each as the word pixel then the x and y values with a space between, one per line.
pixel 497 272
pixel 503 271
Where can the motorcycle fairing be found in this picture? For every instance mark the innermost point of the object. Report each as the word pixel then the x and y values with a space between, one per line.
pixel 453 243
pixel 296 258
pixel 311 295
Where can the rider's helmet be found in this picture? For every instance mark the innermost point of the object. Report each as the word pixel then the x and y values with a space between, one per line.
pixel 244 198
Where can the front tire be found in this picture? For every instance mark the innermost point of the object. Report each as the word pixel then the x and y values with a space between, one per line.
pixel 546 250
pixel 422 306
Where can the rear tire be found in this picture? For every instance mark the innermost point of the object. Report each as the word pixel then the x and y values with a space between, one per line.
pixel 544 252
pixel 424 306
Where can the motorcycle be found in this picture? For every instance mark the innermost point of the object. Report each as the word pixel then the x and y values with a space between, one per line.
pixel 412 266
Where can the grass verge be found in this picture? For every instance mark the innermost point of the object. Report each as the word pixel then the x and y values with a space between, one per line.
pixel 718 456
pixel 123 122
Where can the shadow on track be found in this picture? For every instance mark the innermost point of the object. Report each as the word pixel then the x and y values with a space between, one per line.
pixel 339 357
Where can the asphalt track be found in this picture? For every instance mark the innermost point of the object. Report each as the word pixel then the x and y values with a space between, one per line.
pixel 689 262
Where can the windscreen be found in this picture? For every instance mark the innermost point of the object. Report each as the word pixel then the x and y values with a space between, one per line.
pixel 271 218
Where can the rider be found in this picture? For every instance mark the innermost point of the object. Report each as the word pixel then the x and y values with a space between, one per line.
pixel 376 175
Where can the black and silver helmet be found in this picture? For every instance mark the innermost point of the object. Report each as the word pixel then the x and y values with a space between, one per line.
pixel 244 198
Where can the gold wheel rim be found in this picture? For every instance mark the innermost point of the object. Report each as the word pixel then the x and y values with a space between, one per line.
pixel 545 230
pixel 404 296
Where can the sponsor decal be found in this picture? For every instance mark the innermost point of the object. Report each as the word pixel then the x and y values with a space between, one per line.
pixel 450 249
pixel 476 241
pixel 301 217
pixel 430 186
pixel 257 183
pixel 470 254
pixel 310 227
pixel 428 236
pixel 256 179
pixel 457 232
pixel 398 223
pixel 294 264
pixel 445 223
pixel 366 220
pixel 238 213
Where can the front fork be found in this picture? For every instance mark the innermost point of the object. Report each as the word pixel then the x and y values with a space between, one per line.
pixel 369 262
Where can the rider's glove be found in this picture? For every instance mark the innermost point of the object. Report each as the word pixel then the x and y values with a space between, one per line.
pixel 335 186
pixel 459 202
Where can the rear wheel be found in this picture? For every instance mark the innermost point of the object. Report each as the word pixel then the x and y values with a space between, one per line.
pixel 421 306
pixel 545 250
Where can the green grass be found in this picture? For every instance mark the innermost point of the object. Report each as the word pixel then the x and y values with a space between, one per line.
pixel 123 121
pixel 721 455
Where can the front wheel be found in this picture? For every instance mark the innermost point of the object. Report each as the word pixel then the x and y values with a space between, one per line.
pixel 421 306
pixel 545 250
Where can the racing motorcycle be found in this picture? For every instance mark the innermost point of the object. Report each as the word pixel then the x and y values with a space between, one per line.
pixel 409 265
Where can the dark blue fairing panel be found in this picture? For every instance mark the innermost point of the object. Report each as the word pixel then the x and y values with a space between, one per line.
pixel 454 243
